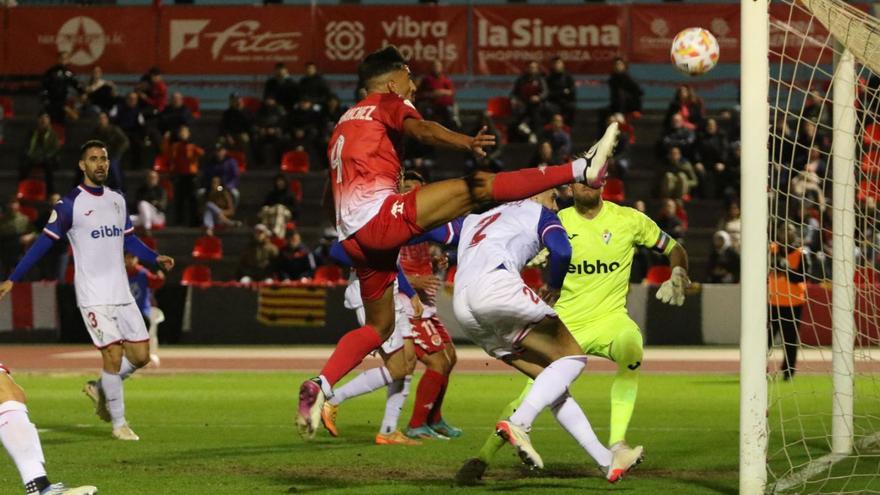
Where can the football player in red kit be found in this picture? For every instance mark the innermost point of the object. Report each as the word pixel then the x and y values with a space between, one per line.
pixel 374 220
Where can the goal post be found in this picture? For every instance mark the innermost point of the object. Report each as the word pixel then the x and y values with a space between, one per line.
pixel 755 116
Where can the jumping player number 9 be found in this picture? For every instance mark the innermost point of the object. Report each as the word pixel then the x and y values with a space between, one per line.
pixel 336 157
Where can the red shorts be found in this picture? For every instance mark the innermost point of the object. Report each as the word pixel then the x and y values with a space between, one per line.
pixel 429 335
pixel 375 246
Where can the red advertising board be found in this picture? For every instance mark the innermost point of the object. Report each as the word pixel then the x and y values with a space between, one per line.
pixel 654 26
pixel 423 34
pixel 119 39
pixel 803 38
pixel 234 40
pixel 507 37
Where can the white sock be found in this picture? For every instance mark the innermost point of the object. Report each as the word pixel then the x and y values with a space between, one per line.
pixel 549 385
pixel 397 392
pixel 366 382
pixel 579 169
pixel 111 383
pixel 20 438
pixel 575 422
pixel 126 368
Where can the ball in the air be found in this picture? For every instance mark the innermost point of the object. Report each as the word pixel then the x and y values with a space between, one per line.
pixel 694 51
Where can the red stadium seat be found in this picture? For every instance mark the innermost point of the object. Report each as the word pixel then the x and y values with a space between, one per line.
pixel 328 274
pixel 251 104
pixel 29 212
pixel 657 274
pixel 31 190
pixel 208 247
pixel 296 188
pixel 192 103
pixel 161 164
pixel 61 131
pixel 533 278
pixel 196 274
pixel 295 162
pixel 499 107
pixel 241 158
pixel 166 184
pixel 613 190
pixel 8 109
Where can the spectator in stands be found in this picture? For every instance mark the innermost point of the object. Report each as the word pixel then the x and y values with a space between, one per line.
pixel 151 201
pixel 300 140
pixel 558 134
pixel 184 159
pixel 787 290
pixel 175 116
pixel 41 151
pixel 117 144
pixel 236 124
pixel 322 252
pixel 678 136
pixel 809 138
pixel 544 155
pixel 295 261
pixel 807 187
pixel 306 115
pixel 643 257
pixel 687 104
pixel 331 114
pixel 492 161
pixel 435 98
pixel 561 91
pixel 620 164
pixel 269 131
pixel 53 265
pixel 16 232
pixel 723 260
pixel 152 91
pixel 731 223
pixel 224 167
pixel 280 194
pixel 281 87
pixel 128 116
pixel 528 98
pixel 625 93
pixel 100 94
pixel 257 262
pixel 219 207
pixel 313 86
pixel 57 82
pixel 668 220
pixel 711 157
pixel 814 108
pixel 677 176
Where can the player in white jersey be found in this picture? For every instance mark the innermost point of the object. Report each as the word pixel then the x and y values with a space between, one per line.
pixel 95 221
pixel 513 323
pixel 20 439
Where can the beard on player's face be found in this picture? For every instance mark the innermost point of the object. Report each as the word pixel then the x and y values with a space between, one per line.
pixel 585 196
pixel 96 176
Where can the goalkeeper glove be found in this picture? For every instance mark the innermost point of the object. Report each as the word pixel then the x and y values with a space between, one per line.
pixel 540 259
pixel 672 291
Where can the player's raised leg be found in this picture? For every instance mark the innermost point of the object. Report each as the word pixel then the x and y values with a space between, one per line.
pixel 20 439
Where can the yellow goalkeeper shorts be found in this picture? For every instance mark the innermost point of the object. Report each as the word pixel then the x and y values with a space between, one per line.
pixel 597 337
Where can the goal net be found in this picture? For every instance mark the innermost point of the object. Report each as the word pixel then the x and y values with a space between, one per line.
pixel 823 230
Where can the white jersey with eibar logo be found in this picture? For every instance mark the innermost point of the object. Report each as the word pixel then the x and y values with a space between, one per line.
pixel 95 221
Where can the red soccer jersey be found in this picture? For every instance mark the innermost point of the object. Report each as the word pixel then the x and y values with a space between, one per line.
pixel 365 152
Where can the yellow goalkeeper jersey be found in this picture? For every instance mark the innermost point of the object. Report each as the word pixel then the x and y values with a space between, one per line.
pixel 597 281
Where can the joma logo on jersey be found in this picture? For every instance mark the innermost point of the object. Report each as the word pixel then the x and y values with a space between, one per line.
pixel 106 231
pixel 588 268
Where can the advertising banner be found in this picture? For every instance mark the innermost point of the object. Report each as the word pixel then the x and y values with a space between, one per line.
pixel 423 34
pixel 119 39
pixel 654 26
pixel 234 40
pixel 588 38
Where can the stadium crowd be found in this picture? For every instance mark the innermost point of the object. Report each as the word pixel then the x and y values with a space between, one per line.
pixel 197 185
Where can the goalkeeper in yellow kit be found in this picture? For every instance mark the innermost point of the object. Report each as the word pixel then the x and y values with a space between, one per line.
pixel 592 303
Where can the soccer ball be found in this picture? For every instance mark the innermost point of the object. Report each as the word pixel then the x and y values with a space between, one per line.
pixel 694 51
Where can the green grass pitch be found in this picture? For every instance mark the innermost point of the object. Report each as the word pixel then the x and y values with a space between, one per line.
pixel 233 433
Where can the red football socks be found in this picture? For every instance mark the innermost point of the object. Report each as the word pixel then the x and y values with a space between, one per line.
pixel 352 348
pixel 430 386
pixel 436 414
pixel 525 183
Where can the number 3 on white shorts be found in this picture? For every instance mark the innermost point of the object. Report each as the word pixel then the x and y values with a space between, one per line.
pixel 336 157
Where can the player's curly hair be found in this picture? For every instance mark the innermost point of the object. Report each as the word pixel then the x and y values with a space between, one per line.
pixel 379 63
pixel 91 143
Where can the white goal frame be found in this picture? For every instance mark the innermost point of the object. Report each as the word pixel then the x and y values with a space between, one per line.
pixel 755 134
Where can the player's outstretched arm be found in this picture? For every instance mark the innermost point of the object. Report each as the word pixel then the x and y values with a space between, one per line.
pixel 672 290
pixel 434 134
pixel 135 246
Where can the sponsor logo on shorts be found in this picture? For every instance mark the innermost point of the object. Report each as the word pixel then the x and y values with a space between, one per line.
pixel 587 268
pixel 397 209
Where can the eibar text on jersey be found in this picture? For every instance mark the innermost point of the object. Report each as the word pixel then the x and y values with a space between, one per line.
pixel 588 268
pixel 106 231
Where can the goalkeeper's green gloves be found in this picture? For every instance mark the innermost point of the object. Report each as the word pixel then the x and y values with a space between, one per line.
pixel 672 291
